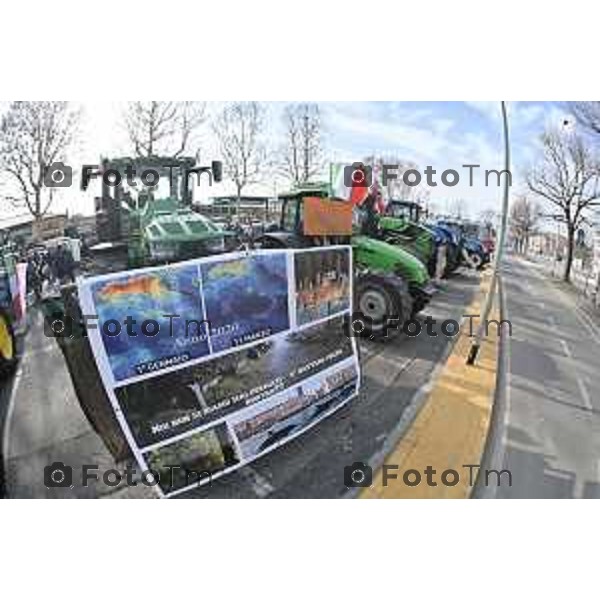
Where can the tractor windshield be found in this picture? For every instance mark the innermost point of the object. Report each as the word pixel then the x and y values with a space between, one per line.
pixel 404 210
pixel 290 213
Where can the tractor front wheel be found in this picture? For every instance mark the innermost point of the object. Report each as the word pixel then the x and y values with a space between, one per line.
pixel 382 304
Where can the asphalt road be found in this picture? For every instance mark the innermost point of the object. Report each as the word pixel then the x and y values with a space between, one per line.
pixel 47 424
pixel 552 446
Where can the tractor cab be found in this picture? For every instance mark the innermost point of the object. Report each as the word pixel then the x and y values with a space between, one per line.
pixel 145 217
pixel 292 205
pixel 403 209
pixel 400 224
pixel 292 232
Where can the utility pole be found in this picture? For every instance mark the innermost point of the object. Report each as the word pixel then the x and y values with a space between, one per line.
pixel 307 140
pixel 476 345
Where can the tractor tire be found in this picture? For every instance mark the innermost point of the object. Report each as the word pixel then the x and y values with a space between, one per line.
pixel 432 265
pixel 476 260
pixel 452 262
pixel 378 300
pixel 418 305
pixel 268 243
pixel 8 347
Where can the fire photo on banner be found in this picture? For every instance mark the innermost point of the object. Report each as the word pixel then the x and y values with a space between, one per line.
pixel 322 283
pixel 253 380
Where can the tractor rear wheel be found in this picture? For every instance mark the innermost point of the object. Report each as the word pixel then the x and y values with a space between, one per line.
pixel 476 260
pixel 8 348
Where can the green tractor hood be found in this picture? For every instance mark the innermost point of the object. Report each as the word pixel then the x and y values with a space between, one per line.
pixel 413 237
pixel 381 256
pixel 165 220
pixel 165 230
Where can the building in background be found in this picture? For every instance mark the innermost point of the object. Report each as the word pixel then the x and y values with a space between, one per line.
pixel 255 208
pixel 25 229
pixel 546 243
pixel 48 227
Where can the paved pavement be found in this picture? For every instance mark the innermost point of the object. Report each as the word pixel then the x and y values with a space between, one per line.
pixel 47 424
pixel 552 445
pixel 450 431
pixel 6 388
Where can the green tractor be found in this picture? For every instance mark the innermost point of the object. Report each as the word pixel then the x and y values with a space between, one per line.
pixel 144 217
pixel 137 228
pixel 400 225
pixel 389 281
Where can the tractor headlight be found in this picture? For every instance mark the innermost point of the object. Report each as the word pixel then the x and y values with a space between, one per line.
pixel 215 245
pixel 163 251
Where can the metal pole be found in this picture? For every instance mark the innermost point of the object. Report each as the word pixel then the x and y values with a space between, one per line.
pixel 476 345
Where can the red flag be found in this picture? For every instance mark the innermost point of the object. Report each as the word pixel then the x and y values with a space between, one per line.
pixel 360 189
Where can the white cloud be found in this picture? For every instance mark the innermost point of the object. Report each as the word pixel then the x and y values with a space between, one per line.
pixel 427 134
pixel 491 110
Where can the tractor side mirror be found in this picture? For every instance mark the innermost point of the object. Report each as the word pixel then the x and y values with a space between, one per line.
pixel 217 171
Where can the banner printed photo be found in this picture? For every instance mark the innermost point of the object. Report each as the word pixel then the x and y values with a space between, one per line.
pixel 151 296
pixel 208 390
pixel 246 298
pixel 217 411
pixel 183 312
pixel 322 284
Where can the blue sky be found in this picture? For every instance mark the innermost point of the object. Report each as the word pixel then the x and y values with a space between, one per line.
pixel 444 135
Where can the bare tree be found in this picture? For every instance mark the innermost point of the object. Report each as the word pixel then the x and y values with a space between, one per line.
pixel 395 188
pixel 488 216
pixel 162 128
pixel 239 130
pixel 302 156
pixel 34 136
pixel 568 177
pixel 457 208
pixel 587 115
pixel 524 216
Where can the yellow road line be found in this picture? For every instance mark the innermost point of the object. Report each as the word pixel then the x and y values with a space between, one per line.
pixel 451 428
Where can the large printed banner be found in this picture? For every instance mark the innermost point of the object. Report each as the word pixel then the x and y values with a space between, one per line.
pixel 213 362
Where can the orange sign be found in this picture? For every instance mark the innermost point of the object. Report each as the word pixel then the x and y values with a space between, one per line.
pixel 323 216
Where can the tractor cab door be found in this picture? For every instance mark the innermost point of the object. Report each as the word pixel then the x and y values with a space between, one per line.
pixel 291 215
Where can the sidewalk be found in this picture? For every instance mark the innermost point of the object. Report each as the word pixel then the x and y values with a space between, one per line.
pixel 582 282
pixel 45 424
pixel 451 429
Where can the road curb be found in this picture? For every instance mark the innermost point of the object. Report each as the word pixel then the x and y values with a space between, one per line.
pixel 451 427
pixel 493 453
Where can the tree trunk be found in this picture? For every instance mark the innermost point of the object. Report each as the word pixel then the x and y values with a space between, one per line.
pixel 238 201
pixel 35 229
pixel 38 204
pixel 37 216
pixel 570 248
